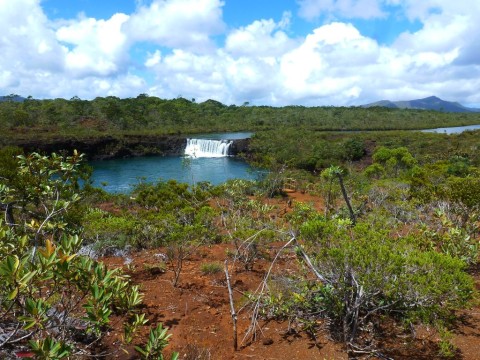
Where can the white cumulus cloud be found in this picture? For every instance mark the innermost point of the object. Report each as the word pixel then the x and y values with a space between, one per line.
pixel 184 47
pixel 98 46
pixel 184 24
pixel 27 43
pixel 274 41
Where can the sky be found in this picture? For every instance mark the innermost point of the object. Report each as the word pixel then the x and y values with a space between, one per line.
pixel 264 52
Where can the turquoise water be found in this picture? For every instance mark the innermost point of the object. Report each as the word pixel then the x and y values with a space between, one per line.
pixel 222 136
pixel 119 175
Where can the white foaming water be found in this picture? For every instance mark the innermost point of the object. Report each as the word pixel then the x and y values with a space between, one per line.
pixel 197 148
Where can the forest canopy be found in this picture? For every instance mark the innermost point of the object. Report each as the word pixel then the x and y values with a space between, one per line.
pixel 148 113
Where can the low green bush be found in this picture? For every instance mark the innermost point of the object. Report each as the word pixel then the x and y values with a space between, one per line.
pixel 367 274
pixel 211 268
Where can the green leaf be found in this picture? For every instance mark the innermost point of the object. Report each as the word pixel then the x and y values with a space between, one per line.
pixel 13 294
pixel 27 277
pixel 10 265
pixel 141 351
pixel 29 325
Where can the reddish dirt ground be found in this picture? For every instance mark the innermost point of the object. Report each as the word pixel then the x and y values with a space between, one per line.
pixel 197 312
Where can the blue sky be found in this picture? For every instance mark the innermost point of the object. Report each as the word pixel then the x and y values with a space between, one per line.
pixel 303 52
pixel 238 13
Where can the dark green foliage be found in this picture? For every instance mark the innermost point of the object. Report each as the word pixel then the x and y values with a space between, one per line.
pixel 9 164
pixel 157 341
pixel 211 268
pixel 354 149
pixel 159 215
pixel 112 115
pixel 298 148
pixel 394 160
pixel 459 166
pixel 449 238
pixel 51 298
pixel 49 348
pixel 465 191
pixel 169 195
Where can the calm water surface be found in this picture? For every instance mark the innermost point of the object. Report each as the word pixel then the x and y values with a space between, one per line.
pixel 120 174
pixel 453 130
pixel 223 136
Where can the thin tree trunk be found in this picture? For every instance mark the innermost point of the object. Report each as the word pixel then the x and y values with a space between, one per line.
pixel 232 308
pixel 347 200
pixel 8 208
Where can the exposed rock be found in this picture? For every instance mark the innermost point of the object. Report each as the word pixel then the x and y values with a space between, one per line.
pixel 108 147
pixel 267 341
pixel 240 147
pixel 111 147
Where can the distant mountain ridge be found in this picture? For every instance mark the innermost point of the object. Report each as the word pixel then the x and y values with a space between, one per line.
pixel 428 103
pixel 13 97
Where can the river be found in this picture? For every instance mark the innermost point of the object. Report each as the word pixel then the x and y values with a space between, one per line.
pixel 118 175
pixel 453 130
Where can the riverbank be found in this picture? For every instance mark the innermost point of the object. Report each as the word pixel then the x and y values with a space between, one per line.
pixel 113 146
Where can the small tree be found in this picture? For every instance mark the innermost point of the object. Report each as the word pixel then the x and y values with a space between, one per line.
pixel 335 172
pixel 185 234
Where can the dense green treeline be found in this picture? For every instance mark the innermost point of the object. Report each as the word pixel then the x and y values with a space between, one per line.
pixel 148 113
pixel 313 151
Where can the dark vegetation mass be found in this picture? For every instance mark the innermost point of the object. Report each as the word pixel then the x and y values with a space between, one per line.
pixel 392 237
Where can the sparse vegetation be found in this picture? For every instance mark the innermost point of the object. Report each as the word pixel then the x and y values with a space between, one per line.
pixel 211 268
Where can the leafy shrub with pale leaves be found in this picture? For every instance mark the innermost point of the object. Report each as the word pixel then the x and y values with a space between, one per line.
pixel 52 299
pixel 367 274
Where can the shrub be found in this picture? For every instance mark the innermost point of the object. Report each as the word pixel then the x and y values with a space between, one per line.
pixel 395 159
pixel 51 298
pixel 211 268
pixel 367 274
pixel 452 240
pixel 157 341
pixel 250 245
pixel 354 149
pixel 465 191
pixel 106 230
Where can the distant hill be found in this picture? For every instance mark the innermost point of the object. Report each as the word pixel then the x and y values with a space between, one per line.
pixel 428 103
pixel 13 97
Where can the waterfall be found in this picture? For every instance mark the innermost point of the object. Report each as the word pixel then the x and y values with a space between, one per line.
pixel 207 148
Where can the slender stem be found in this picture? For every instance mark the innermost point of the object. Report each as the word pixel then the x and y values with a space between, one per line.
pixel 347 200
pixel 232 308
